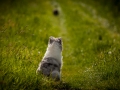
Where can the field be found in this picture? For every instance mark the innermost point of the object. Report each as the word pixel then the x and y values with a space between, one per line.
pixel 91 44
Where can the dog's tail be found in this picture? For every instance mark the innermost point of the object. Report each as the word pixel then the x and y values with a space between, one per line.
pixel 55 75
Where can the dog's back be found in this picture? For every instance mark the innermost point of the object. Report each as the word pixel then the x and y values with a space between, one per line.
pixel 51 62
pixel 50 67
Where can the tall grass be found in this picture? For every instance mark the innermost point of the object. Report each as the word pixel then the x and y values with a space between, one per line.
pixel 91 51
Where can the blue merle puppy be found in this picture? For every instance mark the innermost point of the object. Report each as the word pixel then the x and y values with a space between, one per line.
pixel 52 61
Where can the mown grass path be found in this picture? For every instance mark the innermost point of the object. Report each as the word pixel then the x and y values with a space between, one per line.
pixel 88 38
pixel 91 45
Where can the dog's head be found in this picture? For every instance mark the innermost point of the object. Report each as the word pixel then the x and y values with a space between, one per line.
pixel 55 41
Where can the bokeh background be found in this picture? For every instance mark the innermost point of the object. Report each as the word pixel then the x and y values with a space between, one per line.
pixel 90 31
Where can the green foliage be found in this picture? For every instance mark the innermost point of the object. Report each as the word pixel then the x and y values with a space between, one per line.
pixel 91 45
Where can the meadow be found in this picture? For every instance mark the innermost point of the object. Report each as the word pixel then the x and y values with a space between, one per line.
pixel 91 44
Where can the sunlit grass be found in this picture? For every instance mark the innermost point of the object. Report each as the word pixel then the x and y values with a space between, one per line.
pixel 91 50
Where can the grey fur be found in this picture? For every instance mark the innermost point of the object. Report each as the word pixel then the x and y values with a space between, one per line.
pixel 50 66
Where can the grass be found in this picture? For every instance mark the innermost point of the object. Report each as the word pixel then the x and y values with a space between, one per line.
pixel 91 45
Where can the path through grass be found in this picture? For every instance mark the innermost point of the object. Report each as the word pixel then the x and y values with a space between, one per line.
pixel 91 45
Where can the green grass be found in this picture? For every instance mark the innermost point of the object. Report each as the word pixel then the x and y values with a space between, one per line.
pixel 91 45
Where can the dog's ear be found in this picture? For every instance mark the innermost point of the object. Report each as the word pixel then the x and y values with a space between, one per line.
pixel 51 39
pixel 60 40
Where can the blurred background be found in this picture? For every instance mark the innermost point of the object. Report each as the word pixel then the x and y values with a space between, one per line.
pixel 90 32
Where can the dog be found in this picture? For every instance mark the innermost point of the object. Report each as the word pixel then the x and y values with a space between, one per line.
pixel 51 63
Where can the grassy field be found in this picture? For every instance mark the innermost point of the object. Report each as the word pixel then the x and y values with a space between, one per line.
pixel 91 44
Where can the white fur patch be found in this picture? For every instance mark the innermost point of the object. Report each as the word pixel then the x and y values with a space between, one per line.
pixel 54 51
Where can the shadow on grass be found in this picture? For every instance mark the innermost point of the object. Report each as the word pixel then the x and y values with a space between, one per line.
pixel 35 85
pixel 64 86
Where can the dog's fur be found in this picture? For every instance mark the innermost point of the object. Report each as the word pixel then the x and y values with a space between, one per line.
pixel 52 61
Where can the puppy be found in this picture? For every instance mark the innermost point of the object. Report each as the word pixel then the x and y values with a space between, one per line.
pixel 52 61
